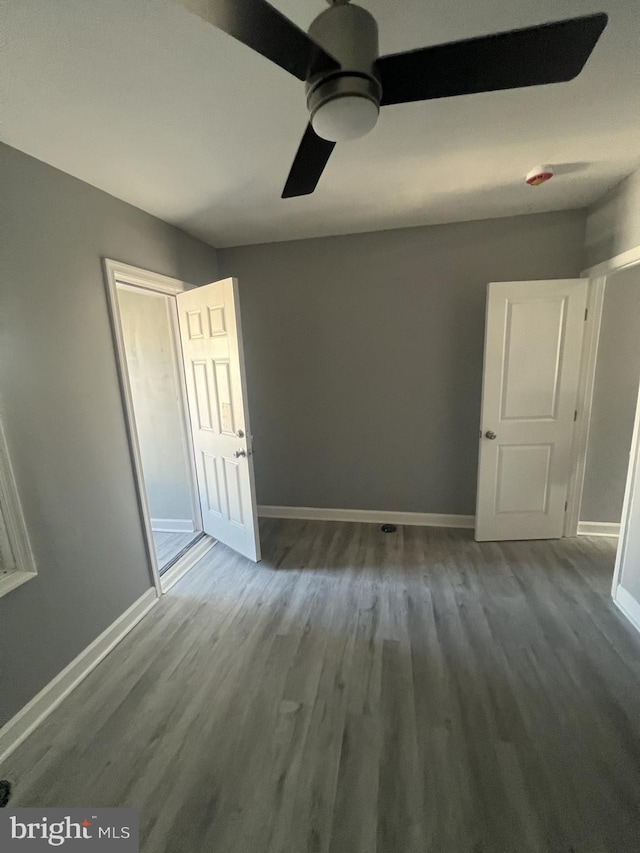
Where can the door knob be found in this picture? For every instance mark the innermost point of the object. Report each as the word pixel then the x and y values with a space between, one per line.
pixel 239 453
pixel 240 433
pixel 490 434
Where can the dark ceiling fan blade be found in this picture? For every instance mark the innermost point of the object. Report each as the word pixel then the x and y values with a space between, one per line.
pixel 313 155
pixel 549 53
pixel 258 25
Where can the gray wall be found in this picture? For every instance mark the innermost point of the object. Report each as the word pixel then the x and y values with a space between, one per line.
pixel 62 411
pixel 155 391
pixel 614 399
pixel 364 356
pixel 613 223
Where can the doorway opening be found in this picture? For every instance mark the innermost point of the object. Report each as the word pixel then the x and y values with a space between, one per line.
pixel 159 409
pixel 613 404
pixel 560 429
pixel 180 361
pixel 147 342
pixel 605 493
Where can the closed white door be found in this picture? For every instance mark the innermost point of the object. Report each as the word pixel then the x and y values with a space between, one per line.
pixel 211 337
pixel 533 345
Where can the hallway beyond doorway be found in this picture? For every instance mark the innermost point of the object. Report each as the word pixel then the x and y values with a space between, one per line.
pixel 169 546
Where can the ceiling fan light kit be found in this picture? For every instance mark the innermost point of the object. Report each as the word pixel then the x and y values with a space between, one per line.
pixel 347 81
pixel 345 104
pixel 345 116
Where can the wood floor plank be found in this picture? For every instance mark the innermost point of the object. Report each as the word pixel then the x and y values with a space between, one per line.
pixel 355 819
pixel 362 692
pixel 400 812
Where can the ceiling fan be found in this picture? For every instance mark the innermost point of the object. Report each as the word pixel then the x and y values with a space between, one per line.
pixel 347 82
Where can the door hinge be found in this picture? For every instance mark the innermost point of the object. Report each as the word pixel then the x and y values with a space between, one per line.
pixel 586 314
pixel 575 416
pixel 566 505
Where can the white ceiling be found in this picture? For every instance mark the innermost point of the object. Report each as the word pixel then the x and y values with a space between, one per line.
pixel 151 104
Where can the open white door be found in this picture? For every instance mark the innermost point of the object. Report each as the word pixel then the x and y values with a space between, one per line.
pixel 533 345
pixel 211 336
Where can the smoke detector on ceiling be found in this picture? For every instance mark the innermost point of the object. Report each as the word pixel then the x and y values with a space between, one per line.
pixel 539 175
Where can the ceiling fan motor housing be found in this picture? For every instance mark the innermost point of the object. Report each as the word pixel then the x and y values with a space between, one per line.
pixel 350 34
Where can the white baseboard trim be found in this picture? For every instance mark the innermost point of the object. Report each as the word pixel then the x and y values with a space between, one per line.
pixel 186 562
pixel 627 605
pixel 598 528
pixel 19 727
pixel 172 525
pixel 421 519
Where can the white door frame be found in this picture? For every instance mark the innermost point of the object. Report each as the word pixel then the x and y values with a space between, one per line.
pixel 123 275
pixel 632 476
pixel 597 276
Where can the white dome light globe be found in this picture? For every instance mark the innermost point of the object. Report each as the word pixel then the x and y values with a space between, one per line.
pixel 346 117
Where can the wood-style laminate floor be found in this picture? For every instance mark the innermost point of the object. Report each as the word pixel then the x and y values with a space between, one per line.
pixel 358 692
pixel 169 545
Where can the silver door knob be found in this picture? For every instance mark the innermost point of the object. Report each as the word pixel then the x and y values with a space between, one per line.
pixel 239 453
pixel 490 434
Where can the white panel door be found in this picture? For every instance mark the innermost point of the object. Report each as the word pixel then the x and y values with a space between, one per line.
pixel 211 337
pixel 533 345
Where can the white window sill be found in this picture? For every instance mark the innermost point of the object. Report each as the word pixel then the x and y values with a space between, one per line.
pixel 13 579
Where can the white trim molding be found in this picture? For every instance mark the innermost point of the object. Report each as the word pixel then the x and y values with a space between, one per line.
pixel 584 403
pixel 628 606
pixel 19 727
pixel 172 525
pixel 116 271
pixel 599 528
pixel 619 262
pixel 372 516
